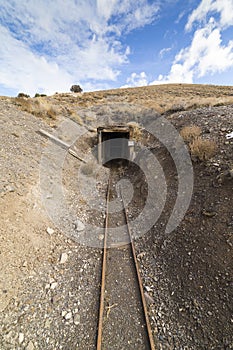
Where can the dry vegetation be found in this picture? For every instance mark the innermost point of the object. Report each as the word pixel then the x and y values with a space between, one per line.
pixel 187 262
pixel 188 133
pixel 164 99
pixel 167 98
pixel 47 108
pixel 39 107
pixel 75 116
pixel 137 131
pixel 202 149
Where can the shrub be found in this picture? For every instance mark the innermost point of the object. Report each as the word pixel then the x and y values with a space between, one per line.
pixel 188 133
pixel 21 94
pixel 76 88
pixel 175 108
pixel 137 131
pixel 51 112
pixel 202 149
pixel 40 95
pixel 39 108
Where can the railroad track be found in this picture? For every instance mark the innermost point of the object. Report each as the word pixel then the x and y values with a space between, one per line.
pixel 123 316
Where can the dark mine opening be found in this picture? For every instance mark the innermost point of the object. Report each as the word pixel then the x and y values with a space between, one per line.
pixel 116 149
pixel 113 145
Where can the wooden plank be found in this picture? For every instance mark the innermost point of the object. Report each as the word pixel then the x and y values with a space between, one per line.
pixel 54 139
pixel 74 154
pixel 61 144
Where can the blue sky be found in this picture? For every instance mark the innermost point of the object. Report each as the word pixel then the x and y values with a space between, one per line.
pixel 46 46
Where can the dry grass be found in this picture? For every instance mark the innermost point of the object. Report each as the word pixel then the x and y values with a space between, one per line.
pixel 39 107
pixel 89 118
pixel 164 99
pixel 202 149
pixel 167 98
pixel 188 133
pixel 137 131
pixel 76 117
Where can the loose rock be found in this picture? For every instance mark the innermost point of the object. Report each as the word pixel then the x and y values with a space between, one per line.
pixel 63 258
pixel 68 316
pixel 76 319
pixel 79 226
pixel 50 231
pixel 53 285
pixel 21 338
pixel 30 346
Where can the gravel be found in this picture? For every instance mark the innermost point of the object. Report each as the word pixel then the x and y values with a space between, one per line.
pixel 49 282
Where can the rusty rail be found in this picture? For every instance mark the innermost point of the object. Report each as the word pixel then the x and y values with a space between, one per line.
pixel 103 278
pixel 143 300
pixel 104 264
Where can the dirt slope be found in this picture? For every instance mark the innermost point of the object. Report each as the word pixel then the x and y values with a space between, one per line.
pixel 50 303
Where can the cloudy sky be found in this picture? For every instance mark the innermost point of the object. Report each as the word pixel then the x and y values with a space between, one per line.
pixel 48 45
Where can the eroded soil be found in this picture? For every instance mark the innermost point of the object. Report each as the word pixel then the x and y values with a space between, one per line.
pixel 52 303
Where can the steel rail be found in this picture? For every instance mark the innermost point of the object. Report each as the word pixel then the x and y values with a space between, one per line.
pixel 103 277
pixel 143 300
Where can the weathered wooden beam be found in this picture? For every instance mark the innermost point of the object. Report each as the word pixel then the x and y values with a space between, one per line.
pixel 61 144
pixel 74 154
pixel 55 139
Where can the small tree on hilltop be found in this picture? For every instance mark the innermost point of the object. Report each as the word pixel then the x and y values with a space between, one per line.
pixel 21 94
pixel 76 88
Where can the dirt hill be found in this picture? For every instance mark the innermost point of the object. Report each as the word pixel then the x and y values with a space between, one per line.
pixel 49 285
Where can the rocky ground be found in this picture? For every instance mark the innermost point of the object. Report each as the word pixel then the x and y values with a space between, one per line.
pixel 49 285
pixel 189 272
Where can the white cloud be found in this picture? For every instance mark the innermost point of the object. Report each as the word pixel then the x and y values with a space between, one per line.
pixel 223 7
pixel 106 8
pixel 215 57
pixel 181 15
pixel 26 72
pixel 130 14
pixel 160 80
pixel 72 40
pixel 164 51
pixel 206 54
pixel 136 80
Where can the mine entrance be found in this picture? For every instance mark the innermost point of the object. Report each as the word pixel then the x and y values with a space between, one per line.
pixel 113 144
pixel 117 146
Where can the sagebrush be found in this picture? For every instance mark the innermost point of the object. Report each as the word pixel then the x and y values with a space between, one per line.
pixel 202 149
pixel 137 131
pixel 38 107
pixel 188 133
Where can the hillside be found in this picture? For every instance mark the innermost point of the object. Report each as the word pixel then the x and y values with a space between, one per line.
pixel 49 280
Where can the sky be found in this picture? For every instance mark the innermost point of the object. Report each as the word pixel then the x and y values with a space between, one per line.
pixel 49 45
